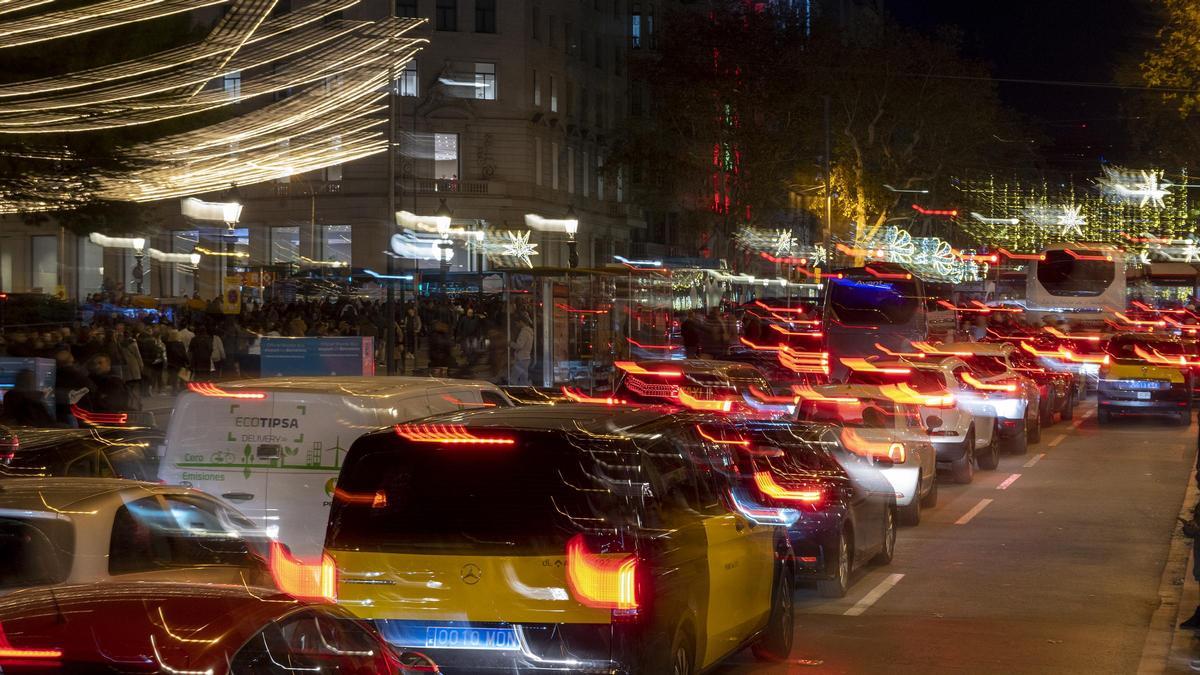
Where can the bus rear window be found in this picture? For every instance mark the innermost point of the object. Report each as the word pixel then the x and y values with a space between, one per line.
pixel 1065 275
pixel 530 497
pixel 861 302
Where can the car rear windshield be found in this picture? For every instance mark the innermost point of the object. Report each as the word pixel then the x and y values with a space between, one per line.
pixel 924 381
pixel 35 551
pixel 873 302
pixel 531 496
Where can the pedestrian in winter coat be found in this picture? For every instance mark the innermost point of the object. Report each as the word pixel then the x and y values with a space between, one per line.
pixel 522 350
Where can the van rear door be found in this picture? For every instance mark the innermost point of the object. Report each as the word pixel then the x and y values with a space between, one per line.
pixel 216 444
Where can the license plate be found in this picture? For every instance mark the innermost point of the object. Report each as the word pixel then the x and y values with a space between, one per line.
pixel 1143 395
pixel 417 634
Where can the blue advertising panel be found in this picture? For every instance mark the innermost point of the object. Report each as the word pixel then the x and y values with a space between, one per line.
pixel 43 372
pixel 283 356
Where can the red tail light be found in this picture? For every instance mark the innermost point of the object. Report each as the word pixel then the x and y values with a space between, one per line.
pixel 767 485
pixel 88 417
pixel 579 397
pixel 860 365
pixel 602 581
pixel 708 405
pixel 896 453
pixel 634 369
pixel 303 581
pixel 377 500
pixel 454 434
pixel 8 651
pixel 211 390
pixel 986 386
pixel 719 438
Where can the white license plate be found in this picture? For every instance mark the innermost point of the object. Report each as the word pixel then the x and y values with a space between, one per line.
pixel 1143 395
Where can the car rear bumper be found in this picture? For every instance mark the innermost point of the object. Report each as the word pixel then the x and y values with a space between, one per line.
pixel 814 545
pixel 949 452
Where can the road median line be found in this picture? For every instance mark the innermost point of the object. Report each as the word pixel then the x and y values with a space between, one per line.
pixel 1034 460
pixel 966 517
pixel 1008 481
pixel 874 596
pixel 1057 439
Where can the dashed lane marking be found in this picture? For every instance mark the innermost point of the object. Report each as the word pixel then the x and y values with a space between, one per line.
pixel 966 517
pixel 1034 460
pixel 874 596
pixel 1008 481
pixel 1056 440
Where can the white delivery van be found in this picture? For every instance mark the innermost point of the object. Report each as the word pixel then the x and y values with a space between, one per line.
pixel 273 446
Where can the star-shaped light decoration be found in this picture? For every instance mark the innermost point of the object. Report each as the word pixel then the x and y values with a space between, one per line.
pixel 1072 220
pixel 784 243
pixel 1144 187
pixel 518 246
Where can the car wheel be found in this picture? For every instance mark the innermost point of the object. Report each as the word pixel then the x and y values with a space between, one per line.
pixel 682 658
pixel 775 644
pixel 1103 417
pixel 911 515
pixel 888 552
pixel 1183 419
pixel 931 498
pixel 1033 432
pixel 990 459
pixel 840 583
pixel 1047 413
pixel 1019 444
pixel 1068 411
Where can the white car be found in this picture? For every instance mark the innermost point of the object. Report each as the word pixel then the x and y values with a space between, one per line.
pixel 56 531
pixel 960 421
pixel 274 446
pixel 891 433
pixel 1015 398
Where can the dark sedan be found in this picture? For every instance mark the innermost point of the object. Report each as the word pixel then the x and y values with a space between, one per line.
pixel 90 453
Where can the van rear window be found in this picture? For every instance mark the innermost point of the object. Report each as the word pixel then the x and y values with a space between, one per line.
pixel 35 551
pixel 400 496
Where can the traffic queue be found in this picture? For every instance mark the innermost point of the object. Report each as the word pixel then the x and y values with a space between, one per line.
pixel 407 524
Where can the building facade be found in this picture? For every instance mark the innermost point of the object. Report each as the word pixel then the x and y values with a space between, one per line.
pixel 509 110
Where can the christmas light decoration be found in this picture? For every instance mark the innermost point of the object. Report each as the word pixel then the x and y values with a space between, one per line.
pixel 510 248
pixel 1143 187
pixel 94 17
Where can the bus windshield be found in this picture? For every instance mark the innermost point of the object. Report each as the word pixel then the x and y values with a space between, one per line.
pixel 873 302
pixel 1064 274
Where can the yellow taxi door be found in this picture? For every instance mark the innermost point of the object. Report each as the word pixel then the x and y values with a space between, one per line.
pixel 729 584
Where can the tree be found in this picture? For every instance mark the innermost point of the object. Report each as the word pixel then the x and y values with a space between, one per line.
pixel 1174 63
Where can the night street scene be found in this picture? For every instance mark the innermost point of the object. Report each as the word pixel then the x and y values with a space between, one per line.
pixel 636 337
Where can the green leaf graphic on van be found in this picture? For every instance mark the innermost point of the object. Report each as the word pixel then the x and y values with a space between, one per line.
pixel 299 440
pixel 246 465
pixel 303 409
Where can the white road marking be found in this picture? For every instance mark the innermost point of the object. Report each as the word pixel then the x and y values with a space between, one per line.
pixel 966 517
pixel 1034 460
pixel 874 596
pixel 1057 439
pixel 1008 481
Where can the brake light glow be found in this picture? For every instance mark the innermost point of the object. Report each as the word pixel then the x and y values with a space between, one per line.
pixel 212 390
pixel 721 441
pixel 768 398
pixel 809 394
pixel 378 500
pixel 448 434
pixel 804 362
pixel 936 351
pixel 794 310
pixel 601 581
pixel 8 651
pixel 906 355
pixel 1085 256
pixel 1138 322
pixel 760 348
pixel 634 369
pixel 903 393
pixel 639 345
pixel 708 405
pixel 987 386
pixel 1039 353
pixel 860 365
pixel 579 397
pixel 1103 359
pixel 887 275
pixel 767 485
pixel 88 417
pixel 867 448
pixel 1022 256
pixel 303 581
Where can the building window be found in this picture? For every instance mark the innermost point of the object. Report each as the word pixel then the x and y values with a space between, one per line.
pixel 445 157
pixel 537 161
pixel 183 277
pixel 600 103
pixel 635 29
pixel 599 179
pixel 552 31
pixel 447 14
pixel 485 16
pixel 618 57
pixel 571 171
pixel 485 81
pixel 598 53
pixel 584 43
pixel 285 244
pixel 620 185
pixel 569 37
pixel 333 173
pixel 553 95
pixel 406 8
pixel 233 85
pixel 650 29
pixel 537 90
pixel 535 27
pixel 335 243
pixel 587 174
pixel 91 268
pixel 43 272
pixel 554 165
pixel 407 83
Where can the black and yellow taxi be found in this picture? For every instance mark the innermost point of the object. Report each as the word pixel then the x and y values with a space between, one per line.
pixel 1147 374
pixel 571 538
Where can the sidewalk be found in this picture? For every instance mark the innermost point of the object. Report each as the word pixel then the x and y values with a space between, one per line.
pixel 1180 595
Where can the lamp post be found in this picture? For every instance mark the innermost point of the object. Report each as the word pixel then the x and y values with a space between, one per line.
pixel 445 246
pixel 139 254
pixel 571 225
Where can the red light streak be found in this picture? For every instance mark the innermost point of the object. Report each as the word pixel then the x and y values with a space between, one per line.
pixel 767 485
pixel 212 390
pixel 760 348
pixel 453 434
pixel 1135 322
pixel 580 397
pixel 572 310
pixel 986 386
pixel 866 448
pixel 809 394
pixel 1036 352
pixel 707 405
pixel 1083 256
pixel 8 651
pixel 1103 359
pixel 768 398
pixel 722 441
pixel 783 260
pixel 803 362
pixel 903 393
pixel 888 275
pixel 378 500
pixel 468 404
pixel 860 365
pixel 906 355
pixel 635 343
pixel 98 418
pixel 793 310
pixel 1022 256
pixel 930 349
pixel 303 581
pixel 952 213
pixel 634 369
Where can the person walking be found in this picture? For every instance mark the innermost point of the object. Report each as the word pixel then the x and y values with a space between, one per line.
pixel 200 355
pixel 177 361
pixel 411 331
pixel 692 333
pixel 25 404
pixel 522 350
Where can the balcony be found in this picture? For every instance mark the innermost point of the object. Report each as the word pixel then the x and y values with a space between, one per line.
pixel 452 186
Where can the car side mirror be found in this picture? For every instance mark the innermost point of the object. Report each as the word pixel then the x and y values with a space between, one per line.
pixel 933 422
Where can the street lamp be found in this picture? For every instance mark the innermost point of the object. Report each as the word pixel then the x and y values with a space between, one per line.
pixel 571 226
pixel 445 246
pixel 139 254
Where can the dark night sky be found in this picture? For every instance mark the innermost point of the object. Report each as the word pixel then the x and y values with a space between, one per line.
pixel 1062 40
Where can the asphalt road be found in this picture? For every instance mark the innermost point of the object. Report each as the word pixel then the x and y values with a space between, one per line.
pixel 1059 572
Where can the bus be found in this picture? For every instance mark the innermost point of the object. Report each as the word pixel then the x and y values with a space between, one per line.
pixel 881 306
pixel 1076 281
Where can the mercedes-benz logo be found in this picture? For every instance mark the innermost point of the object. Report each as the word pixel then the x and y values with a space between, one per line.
pixel 470 573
